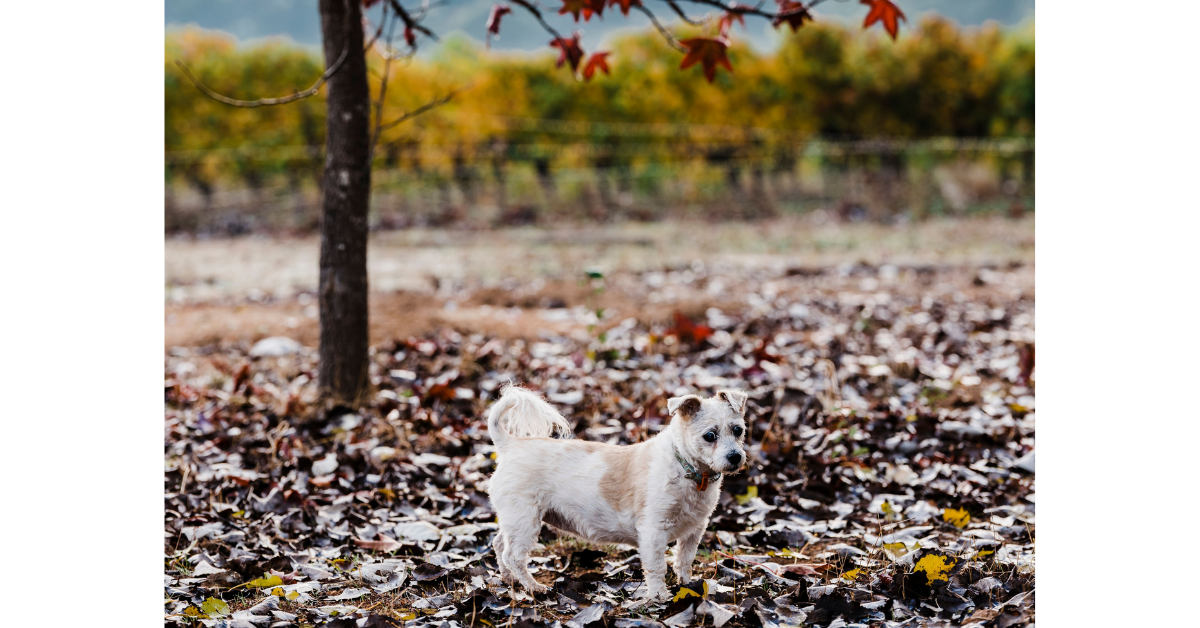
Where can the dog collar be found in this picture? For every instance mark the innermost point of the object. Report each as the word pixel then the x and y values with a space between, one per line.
pixel 690 472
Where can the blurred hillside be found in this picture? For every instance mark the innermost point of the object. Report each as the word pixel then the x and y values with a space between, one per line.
pixel 939 122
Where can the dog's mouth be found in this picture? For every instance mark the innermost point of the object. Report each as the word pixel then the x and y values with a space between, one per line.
pixel 728 470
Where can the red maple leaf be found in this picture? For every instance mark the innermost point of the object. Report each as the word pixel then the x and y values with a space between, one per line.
pixel 493 22
pixel 445 392
pixel 791 13
pixel 625 5
pixel 735 13
pixel 568 51
pixel 708 52
pixel 241 377
pixel 1026 353
pixel 587 7
pixel 687 331
pixel 595 62
pixel 886 11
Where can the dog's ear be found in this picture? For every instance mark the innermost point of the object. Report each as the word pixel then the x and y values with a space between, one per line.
pixel 736 398
pixel 687 405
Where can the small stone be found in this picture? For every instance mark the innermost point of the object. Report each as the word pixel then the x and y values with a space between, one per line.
pixel 275 346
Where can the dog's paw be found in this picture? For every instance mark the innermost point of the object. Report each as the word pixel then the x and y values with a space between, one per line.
pixel 657 593
pixel 538 588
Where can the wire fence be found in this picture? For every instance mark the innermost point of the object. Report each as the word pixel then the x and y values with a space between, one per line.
pixel 542 170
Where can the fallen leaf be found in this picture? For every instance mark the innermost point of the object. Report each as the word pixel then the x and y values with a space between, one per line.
pixel 384 544
pixel 959 517
pixel 802 569
pixel 214 608
pixel 690 591
pixel 751 493
pixel 935 567
pixel 268 580
pixel 349 594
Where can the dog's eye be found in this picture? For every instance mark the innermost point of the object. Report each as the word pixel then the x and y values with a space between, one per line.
pixel 737 430
pixel 710 436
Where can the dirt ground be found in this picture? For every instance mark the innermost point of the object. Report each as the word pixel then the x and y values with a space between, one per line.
pixel 527 282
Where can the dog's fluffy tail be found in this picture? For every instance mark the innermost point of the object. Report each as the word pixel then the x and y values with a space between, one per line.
pixel 522 413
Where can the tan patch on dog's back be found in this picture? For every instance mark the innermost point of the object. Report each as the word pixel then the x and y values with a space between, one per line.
pixel 623 485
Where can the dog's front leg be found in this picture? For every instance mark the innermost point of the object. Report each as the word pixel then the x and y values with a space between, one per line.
pixel 685 553
pixel 652 549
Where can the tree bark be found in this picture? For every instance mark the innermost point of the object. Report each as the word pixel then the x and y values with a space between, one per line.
pixel 342 373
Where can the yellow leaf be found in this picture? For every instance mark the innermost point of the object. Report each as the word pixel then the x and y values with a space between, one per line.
pixel 293 595
pixel 265 581
pixel 889 512
pixel 277 592
pixel 912 418
pixel 214 608
pixel 959 517
pixel 895 549
pixel 751 493
pixel 685 592
pixel 983 553
pixel 935 567
pixel 852 574
pixel 407 617
pixel 192 611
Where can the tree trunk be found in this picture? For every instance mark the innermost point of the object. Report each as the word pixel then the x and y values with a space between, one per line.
pixel 342 374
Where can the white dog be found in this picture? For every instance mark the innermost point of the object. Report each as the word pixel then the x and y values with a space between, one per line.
pixel 645 495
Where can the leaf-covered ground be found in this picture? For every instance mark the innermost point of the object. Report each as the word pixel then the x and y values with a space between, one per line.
pixel 891 480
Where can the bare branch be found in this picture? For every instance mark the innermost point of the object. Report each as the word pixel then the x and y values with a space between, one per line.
pixel 538 15
pixel 701 21
pixel 378 31
pixel 383 83
pixel 409 22
pixel 433 104
pixel 661 29
pixel 266 102
pixel 426 6
pixel 748 10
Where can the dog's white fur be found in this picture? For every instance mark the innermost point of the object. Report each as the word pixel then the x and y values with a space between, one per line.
pixel 630 495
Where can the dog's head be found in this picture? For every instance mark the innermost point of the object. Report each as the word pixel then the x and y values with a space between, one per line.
pixel 714 428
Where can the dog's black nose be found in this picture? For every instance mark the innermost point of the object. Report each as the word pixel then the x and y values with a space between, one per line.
pixel 734 458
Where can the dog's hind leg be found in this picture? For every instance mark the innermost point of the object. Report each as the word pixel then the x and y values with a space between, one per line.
pixel 520 535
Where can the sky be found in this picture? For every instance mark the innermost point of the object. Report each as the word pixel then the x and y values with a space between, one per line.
pixel 298 19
